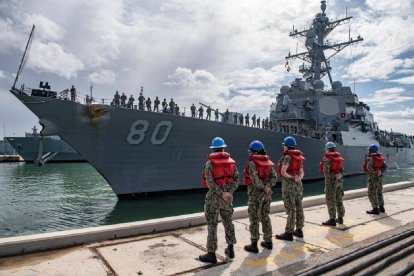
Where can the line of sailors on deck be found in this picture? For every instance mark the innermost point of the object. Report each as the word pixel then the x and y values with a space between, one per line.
pixel 145 104
pixel 221 177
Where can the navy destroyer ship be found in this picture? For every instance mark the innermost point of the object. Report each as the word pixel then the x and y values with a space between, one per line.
pixel 140 151
pixel 38 149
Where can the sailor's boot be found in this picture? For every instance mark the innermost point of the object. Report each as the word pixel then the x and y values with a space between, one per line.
pixel 229 251
pixel 298 233
pixel 329 222
pixel 208 258
pixel 340 220
pixel 268 245
pixel 374 211
pixel 381 209
pixel 285 236
pixel 252 247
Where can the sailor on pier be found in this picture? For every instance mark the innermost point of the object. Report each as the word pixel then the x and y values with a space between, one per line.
pixel 375 167
pixel 221 177
pixel 290 170
pixel 260 178
pixel 332 168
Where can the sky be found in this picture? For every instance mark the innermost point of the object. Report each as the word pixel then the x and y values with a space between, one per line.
pixel 227 53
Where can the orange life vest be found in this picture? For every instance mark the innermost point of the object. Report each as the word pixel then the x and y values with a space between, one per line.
pixel 223 168
pixel 378 161
pixel 296 158
pixel 263 165
pixel 336 162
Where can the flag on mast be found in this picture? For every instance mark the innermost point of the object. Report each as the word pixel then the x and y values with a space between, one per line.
pixel 287 66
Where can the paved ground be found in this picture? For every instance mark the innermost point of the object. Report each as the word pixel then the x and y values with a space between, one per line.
pixel 176 252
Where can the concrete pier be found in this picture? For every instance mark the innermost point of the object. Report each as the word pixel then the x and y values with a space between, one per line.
pixel 171 246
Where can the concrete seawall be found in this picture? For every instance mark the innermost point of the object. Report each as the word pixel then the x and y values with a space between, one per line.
pixel 49 241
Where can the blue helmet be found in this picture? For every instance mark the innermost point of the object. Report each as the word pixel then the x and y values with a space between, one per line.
pixel 373 148
pixel 256 146
pixel 330 145
pixel 289 141
pixel 217 143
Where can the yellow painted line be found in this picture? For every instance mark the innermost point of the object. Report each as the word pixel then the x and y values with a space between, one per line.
pixel 261 262
pixel 284 255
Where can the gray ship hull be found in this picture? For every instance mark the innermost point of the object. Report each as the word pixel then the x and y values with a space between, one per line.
pixel 140 151
pixel 28 149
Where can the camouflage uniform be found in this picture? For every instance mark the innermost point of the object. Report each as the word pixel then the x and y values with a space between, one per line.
pixel 259 204
pixel 292 194
pixel 375 184
pixel 334 191
pixel 215 204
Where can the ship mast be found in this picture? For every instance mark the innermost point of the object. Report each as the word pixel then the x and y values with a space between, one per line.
pixel 315 44
pixel 23 61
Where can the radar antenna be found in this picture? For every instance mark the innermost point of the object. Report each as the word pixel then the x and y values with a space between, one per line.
pixel 315 44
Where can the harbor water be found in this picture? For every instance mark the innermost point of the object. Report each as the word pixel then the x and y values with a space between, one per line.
pixel 65 196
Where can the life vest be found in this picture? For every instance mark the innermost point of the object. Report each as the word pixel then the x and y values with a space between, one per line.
pixel 336 162
pixel 378 161
pixel 296 158
pixel 223 168
pixel 263 165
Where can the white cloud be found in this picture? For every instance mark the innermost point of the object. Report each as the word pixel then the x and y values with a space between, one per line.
pixel 399 120
pixel 185 78
pixel 50 57
pixel 46 29
pixel 103 76
pixel 2 75
pixel 9 39
pixel 388 96
pixel 399 8
pixel 406 80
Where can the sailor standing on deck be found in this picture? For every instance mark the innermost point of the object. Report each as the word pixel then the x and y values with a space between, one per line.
pixel 200 112
pixel 141 99
pixel 290 170
pixel 216 113
pixel 123 99
pixel 156 104
pixel 72 93
pixel 332 168
pixel 208 113
pixel 117 98
pixel 221 177
pixel 260 178
pixel 254 120
pixel 193 111
pixel 375 167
